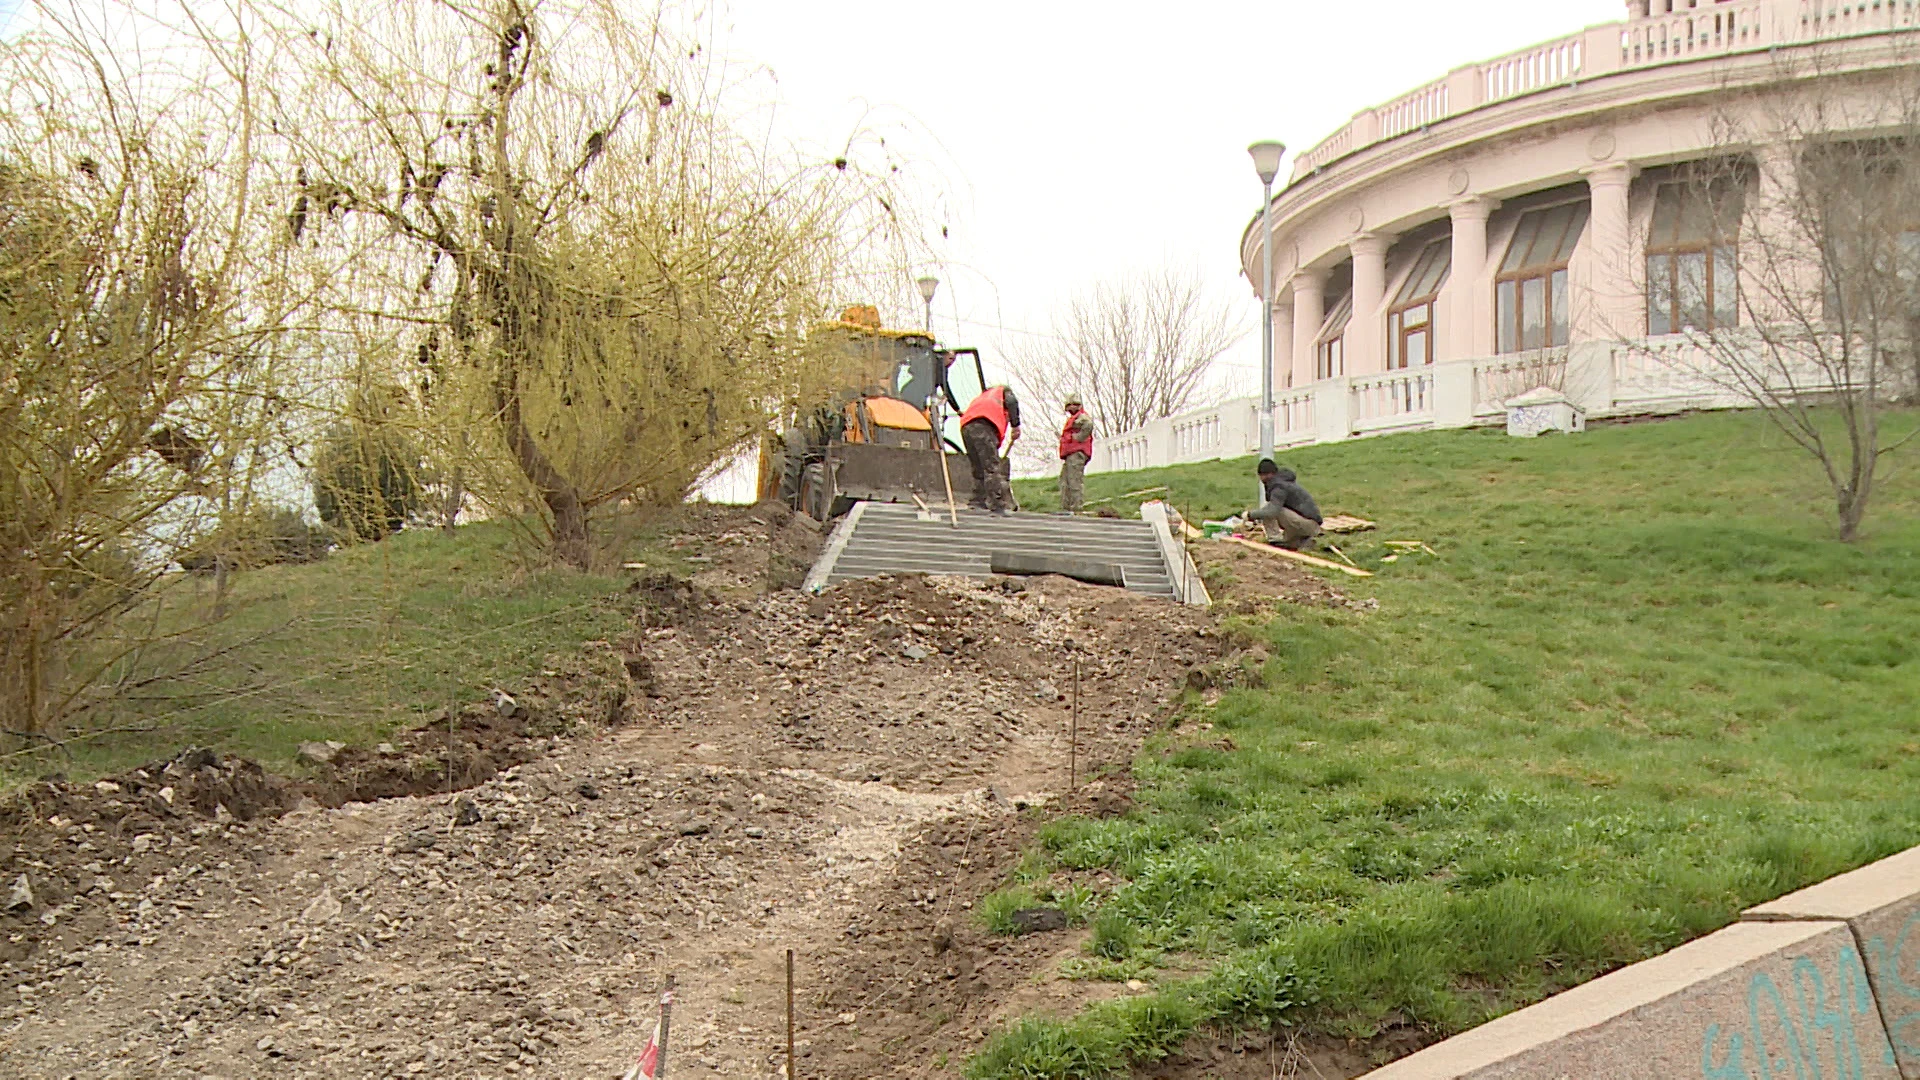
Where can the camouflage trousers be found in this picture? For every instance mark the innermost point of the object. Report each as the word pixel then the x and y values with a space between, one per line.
pixel 1073 482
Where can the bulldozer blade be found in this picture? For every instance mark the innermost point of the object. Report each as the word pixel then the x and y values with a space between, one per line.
pixel 876 473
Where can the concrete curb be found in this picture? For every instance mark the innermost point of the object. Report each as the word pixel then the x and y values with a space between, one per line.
pixel 1824 982
pixel 1880 904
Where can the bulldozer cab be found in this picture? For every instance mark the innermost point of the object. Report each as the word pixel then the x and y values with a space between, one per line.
pixel 877 441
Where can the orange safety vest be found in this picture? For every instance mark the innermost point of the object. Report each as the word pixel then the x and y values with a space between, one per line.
pixel 1072 443
pixel 991 405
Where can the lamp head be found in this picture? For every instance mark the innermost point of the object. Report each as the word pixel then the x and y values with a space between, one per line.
pixel 1266 159
pixel 927 286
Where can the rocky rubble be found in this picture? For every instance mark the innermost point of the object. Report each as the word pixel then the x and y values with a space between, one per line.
pixel 840 774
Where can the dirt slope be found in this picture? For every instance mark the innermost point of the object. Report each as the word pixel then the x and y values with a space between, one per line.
pixel 842 775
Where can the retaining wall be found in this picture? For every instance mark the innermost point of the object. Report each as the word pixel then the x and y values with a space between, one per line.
pixel 1821 983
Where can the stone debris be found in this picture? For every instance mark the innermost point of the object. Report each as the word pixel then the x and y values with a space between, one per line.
pixel 318 754
pixel 324 908
pixel 778 792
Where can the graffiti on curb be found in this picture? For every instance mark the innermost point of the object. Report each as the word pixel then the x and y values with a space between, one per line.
pixel 1812 1027
pixel 1899 995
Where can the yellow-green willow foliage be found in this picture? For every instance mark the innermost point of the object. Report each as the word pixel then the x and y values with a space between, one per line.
pixel 607 288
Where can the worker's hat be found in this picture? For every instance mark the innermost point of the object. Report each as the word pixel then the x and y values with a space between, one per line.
pixel 1072 399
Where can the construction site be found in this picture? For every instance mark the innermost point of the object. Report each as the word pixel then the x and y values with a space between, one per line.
pixel 842 771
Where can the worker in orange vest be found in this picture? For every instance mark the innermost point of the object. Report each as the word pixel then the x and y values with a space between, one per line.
pixel 992 417
pixel 1076 449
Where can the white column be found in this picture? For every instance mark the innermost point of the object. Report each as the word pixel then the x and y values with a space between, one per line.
pixel 1283 366
pixel 1779 273
pixel 1615 307
pixel 1367 333
pixel 1466 328
pixel 1309 311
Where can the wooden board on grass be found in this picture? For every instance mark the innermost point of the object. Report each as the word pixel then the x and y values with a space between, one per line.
pixel 1298 556
pixel 1345 523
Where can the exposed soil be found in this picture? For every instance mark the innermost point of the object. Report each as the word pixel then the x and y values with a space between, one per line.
pixel 745 770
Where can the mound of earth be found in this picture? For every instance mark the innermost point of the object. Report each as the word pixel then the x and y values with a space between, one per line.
pixel 746 769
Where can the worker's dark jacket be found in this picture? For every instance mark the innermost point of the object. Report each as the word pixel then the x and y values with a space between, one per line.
pixel 1282 491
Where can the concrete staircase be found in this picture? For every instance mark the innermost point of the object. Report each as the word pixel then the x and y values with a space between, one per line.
pixel 890 538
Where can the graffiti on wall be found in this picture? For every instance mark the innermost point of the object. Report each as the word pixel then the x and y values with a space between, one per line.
pixel 1527 421
pixel 1813 1026
pixel 1896 983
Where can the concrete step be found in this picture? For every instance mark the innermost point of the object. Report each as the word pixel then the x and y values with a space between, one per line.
pixel 883 538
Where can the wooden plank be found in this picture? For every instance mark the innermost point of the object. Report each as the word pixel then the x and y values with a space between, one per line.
pixel 1297 556
pixel 1345 523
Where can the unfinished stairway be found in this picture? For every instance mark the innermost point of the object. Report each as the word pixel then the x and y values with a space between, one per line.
pixel 890 538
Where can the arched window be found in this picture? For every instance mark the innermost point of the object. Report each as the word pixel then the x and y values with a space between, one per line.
pixel 1693 269
pixel 1531 305
pixel 1410 318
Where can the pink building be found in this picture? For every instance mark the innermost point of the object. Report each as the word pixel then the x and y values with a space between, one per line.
pixel 1521 221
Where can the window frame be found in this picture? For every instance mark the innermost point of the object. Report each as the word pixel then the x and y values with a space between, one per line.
pixel 1398 328
pixel 1553 278
pixel 1330 344
pixel 1711 248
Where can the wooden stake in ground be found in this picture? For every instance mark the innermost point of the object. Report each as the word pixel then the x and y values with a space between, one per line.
pixel 666 1026
pixel 792 1069
pixel 1073 733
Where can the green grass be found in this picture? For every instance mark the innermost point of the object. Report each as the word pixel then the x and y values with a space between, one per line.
pixel 375 638
pixel 1639 688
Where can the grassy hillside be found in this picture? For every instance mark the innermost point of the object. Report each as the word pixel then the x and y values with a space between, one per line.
pixel 1639 688
pixel 374 638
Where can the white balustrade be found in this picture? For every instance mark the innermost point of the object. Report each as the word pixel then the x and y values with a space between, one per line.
pixel 1498 378
pixel 1334 146
pixel 1196 437
pixel 1701 32
pixel 1660 374
pixel 1393 400
pixel 1705 31
pixel 1672 371
pixel 1537 68
pixel 1293 419
pixel 1822 19
pixel 1414 111
pixel 1125 452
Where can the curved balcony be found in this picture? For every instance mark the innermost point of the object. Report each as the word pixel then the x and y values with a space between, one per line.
pixel 1492 228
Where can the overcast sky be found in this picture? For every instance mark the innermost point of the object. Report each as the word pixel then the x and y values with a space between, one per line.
pixel 1087 139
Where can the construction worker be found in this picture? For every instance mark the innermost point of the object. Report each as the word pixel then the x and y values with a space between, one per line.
pixel 991 418
pixel 1289 515
pixel 1076 449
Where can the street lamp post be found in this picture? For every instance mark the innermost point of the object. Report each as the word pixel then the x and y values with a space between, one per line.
pixel 927 287
pixel 1266 161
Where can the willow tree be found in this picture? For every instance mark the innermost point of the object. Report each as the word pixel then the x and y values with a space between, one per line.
pixel 609 289
pixel 125 220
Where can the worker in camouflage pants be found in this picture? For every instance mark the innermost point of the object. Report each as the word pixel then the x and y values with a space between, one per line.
pixel 1076 449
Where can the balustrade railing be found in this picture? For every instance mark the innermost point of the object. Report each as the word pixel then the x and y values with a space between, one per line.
pixel 1414 111
pixel 1293 417
pixel 1706 31
pixel 1196 438
pixel 1649 375
pixel 1498 378
pixel 1391 399
pixel 1821 19
pixel 1128 452
pixel 1537 68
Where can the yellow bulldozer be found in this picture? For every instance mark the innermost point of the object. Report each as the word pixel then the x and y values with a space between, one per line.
pixel 886 439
